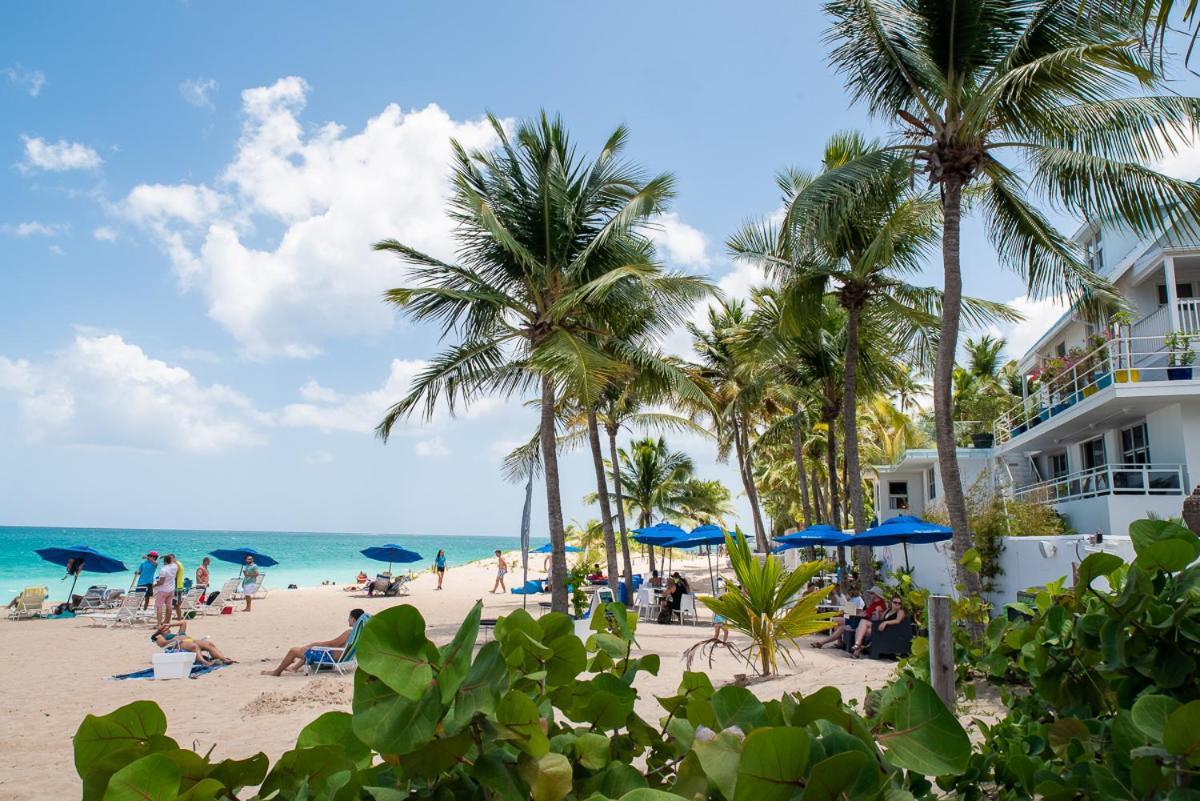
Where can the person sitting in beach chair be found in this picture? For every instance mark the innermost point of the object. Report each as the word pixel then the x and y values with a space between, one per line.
pixel 340 645
pixel 206 650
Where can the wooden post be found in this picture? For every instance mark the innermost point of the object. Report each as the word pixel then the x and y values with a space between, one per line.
pixel 941 649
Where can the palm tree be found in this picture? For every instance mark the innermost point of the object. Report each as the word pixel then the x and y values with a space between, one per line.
pixel 654 478
pixel 734 384
pixel 548 245
pixel 966 82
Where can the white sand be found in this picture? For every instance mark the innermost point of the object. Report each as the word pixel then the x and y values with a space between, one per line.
pixel 56 671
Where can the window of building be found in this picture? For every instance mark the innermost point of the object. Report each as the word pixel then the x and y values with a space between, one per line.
pixel 1058 465
pixel 1060 349
pixel 931 480
pixel 898 495
pixel 1181 291
pixel 1135 445
pixel 1093 252
pixel 1092 453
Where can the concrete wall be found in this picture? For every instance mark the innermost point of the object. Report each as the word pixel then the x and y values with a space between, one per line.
pixel 1026 562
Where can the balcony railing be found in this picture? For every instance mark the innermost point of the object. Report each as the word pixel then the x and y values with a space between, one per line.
pixel 1123 360
pixel 1109 479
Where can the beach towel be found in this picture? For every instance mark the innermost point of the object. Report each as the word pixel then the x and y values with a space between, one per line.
pixel 148 673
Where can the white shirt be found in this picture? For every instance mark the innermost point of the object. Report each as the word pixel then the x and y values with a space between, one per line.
pixel 857 601
pixel 165 578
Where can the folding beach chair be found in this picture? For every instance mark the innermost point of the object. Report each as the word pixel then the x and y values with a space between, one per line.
pixel 224 596
pixel 93 599
pixel 343 659
pixel 30 603
pixel 129 612
pixel 190 602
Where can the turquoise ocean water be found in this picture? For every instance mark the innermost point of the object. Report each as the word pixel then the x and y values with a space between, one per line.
pixel 305 558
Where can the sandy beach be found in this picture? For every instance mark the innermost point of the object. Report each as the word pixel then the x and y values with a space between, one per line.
pixel 56 671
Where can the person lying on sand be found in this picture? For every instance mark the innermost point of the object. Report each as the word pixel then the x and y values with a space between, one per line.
pixel 206 650
pixel 294 659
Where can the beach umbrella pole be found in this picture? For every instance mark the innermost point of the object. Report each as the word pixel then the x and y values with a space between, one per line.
pixel 907 568
pixel 712 579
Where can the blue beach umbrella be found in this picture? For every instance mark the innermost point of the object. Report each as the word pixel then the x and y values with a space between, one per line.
pixel 390 553
pixel 901 530
pixel 238 556
pixel 703 535
pixel 658 534
pixel 548 548
pixel 820 534
pixel 86 558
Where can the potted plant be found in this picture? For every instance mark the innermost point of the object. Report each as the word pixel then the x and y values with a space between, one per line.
pixel 1126 374
pixel 1101 375
pixel 1180 356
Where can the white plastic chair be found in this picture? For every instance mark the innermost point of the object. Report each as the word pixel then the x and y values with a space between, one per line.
pixel 645 603
pixel 687 606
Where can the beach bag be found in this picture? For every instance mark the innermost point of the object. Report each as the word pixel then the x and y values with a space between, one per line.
pixel 665 615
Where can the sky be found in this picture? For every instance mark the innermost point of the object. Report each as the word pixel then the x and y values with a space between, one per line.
pixel 192 329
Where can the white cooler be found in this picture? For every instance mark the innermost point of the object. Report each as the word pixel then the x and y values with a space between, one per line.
pixel 177 665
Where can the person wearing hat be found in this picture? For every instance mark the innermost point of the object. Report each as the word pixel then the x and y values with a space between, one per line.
pixel 876 605
pixel 145 576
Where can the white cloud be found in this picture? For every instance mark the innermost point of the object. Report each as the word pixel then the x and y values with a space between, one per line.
pixel 679 243
pixel 733 285
pixel 104 234
pixel 56 250
pixel 105 391
pixel 34 228
pixel 58 156
pixel 331 194
pixel 329 410
pixel 26 80
pixel 431 447
pixel 319 457
pixel 1039 316
pixel 198 91
pixel 1184 163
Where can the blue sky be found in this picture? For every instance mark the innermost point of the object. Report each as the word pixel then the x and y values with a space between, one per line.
pixel 192 336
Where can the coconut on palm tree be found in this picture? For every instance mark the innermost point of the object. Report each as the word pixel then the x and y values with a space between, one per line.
pixel 977 89
pixel 549 246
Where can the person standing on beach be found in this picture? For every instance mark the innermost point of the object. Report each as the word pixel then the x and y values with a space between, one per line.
pixel 501 570
pixel 202 576
pixel 164 590
pixel 249 581
pixel 439 565
pixel 145 576
pixel 180 575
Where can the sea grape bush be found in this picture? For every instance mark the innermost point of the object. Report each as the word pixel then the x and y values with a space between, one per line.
pixel 537 713
pixel 1101 681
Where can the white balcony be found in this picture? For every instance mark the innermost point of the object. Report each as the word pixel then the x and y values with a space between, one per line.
pixel 1109 479
pixel 1142 370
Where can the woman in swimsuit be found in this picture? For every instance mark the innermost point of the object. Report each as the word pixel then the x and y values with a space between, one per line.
pixel 205 650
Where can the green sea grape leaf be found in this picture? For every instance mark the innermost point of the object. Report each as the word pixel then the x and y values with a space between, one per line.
pixel 390 722
pixel 394 648
pixel 719 757
pixel 593 750
pixel 567 660
pixel 646 794
pixel 238 773
pixel 520 716
pixel 604 701
pixel 1163 545
pixel 151 778
pixel 1094 565
pixel 824 704
pixel 494 771
pixel 128 727
pixel 485 683
pixel 831 778
pixel 548 777
pixel 203 790
pixel 924 736
pixel 336 728
pixel 1181 734
pixel 737 706
pixel 455 658
pixel 774 764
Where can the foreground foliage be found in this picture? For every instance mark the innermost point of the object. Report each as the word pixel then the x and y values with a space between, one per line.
pixel 537 713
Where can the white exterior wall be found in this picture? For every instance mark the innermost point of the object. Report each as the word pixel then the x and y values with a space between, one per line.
pixel 1026 561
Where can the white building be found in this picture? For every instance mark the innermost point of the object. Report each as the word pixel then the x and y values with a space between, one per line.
pixel 1110 428
pixel 912 484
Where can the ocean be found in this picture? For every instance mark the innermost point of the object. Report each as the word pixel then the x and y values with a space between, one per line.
pixel 305 558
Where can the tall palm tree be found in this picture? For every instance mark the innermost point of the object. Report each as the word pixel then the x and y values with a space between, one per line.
pixel 655 478
pixel 734 383
pixel 965 82
pixel 548 245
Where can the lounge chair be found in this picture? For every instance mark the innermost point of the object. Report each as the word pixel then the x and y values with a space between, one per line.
pixel 600 597
pixel 92 600
pixel 224 597
pixel 190 602
pixel 30 603
pixel 893 641
pixel 129 612
pixel 343 659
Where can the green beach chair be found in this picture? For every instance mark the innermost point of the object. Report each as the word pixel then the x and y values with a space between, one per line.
pixel 343 659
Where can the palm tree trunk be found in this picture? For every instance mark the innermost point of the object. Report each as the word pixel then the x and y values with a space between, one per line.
pixel 645 523
pixel 742 447
pixel 801 476
pixel 818 497
pixel 862 554
pixel 617 493
pixel 558 554
pixel 610 541
pixel 835 510
pixel 943 379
